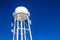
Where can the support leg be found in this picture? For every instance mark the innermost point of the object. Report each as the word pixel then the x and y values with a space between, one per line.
pixel 17 28
pixel 24 31
pixel 21 31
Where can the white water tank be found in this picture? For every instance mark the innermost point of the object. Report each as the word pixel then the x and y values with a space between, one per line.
pixel 21 13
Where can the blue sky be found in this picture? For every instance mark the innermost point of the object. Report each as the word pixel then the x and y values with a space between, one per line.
pixel 45 17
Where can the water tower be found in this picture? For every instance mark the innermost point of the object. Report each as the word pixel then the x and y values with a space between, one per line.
pixel 21 25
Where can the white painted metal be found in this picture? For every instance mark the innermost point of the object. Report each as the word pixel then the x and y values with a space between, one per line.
pixel 29 23
pixel 21 14
pixel 17 29
pixel 24 31
pixel 21 32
